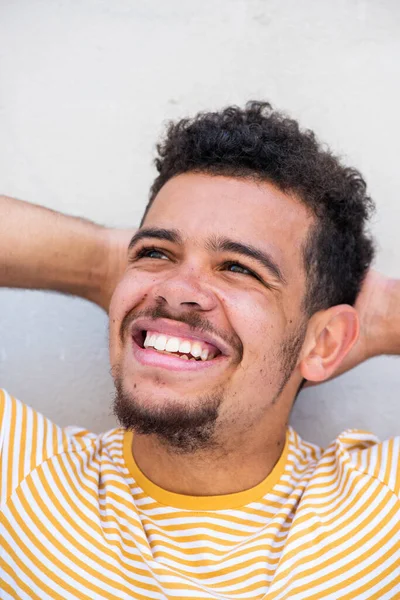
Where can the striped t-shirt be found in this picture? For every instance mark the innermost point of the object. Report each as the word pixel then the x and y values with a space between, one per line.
pixel 80 521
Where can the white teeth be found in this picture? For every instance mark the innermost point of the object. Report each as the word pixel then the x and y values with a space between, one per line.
pixel 165 343
pixel 196 349
pixel 172 345
pixel 160 342
pixel 204 354
pixel 185 347
pixel 150 339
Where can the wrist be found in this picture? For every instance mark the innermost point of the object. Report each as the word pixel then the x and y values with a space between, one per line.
pixel 114 252
pixel 98 275
pixel 388 338
pixel 379 312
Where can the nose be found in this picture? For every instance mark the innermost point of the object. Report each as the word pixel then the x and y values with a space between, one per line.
pixel 185 292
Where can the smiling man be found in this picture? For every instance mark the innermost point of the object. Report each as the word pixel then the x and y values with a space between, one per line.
pixel 240 285
pixel 210 332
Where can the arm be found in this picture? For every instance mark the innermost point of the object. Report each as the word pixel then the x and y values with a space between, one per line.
pixel 43 249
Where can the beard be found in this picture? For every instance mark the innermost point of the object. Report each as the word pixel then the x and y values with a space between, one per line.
pixel 181 428
pixel 192 426
pixel 288 355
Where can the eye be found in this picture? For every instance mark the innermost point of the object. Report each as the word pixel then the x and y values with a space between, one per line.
pixel 150 253
pixel 235 267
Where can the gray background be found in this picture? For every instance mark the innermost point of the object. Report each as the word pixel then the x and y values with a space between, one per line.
pixel 85 90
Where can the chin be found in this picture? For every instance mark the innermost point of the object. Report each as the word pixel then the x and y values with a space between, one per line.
pixel 186 424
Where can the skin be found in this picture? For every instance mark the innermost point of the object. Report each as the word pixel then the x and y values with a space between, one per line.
pixel 256 315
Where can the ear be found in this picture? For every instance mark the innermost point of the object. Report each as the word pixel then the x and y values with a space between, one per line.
pixel 330 336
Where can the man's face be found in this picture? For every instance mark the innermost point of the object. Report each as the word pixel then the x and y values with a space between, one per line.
pixel 206 323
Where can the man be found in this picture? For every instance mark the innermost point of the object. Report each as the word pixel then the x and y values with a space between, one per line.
pixel 240 286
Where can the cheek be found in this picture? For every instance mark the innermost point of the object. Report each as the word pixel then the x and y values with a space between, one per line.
pixel 260 323
pixel 129 293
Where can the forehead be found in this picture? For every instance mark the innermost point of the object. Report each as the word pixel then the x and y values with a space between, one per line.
pixel 257 213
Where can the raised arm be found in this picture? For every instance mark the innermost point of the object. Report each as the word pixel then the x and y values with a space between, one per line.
pixel 44 249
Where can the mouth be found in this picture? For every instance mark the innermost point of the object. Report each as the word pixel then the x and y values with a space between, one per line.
pixel 174 346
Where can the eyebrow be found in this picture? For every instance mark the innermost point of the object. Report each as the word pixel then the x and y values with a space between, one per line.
pixel 168 235
pixel 216 244
pixel 223 244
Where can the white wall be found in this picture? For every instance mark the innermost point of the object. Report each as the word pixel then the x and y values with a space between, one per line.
pixel 85 87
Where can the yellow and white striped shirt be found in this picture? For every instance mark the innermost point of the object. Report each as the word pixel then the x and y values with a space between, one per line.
pixel 80 521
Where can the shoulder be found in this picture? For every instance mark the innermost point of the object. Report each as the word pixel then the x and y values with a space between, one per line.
pixel 364 452
pixel 28 440
pixel 354 450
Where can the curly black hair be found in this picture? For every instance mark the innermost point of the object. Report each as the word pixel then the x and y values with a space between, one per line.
pixel 260 143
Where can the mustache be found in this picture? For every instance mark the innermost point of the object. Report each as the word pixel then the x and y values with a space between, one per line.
pixel 196 322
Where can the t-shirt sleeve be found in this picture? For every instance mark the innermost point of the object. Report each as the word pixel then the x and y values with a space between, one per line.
pixel 380 460
pixel 384 463
pixel 27 439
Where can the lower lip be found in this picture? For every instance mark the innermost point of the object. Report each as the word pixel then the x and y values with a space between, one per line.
pixel 152 358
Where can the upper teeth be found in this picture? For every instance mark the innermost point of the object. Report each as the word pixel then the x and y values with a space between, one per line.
pixel 160 341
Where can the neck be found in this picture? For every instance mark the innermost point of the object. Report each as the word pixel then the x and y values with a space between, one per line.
pixel 232 467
